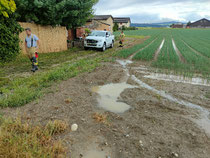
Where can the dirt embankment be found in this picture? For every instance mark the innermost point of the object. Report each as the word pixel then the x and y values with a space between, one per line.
pixel 153 127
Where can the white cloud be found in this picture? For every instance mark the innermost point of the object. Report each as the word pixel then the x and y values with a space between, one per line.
pixel 155 10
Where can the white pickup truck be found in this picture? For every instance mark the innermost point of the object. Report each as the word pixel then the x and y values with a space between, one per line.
pixel 99 39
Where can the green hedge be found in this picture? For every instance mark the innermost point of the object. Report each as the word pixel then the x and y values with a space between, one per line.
pixel 9 38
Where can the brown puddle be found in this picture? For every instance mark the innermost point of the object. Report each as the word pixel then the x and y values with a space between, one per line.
pixel 95 154
pixel 109 94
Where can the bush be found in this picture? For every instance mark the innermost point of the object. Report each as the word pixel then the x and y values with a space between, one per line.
pixel 87 31
pixel 128 28
pixel 9 38
pixel 116 27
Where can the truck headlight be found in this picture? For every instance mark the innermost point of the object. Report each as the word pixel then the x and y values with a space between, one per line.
pixel 99 41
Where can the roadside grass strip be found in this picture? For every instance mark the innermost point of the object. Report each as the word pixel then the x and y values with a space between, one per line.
pixel 24 90
pixel 21 65
pixel 147 54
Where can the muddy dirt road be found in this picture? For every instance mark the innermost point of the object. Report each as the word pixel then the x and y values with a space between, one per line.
pixel 123 112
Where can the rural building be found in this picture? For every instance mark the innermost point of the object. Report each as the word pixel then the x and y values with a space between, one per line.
pixel 101 22
pixel 122 21
pixel 98 25
pixel 203 23
pixel 177 26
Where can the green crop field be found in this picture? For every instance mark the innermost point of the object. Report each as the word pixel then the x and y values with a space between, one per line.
pixel 184 51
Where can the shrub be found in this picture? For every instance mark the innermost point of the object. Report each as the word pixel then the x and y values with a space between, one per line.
pixel 115 27
pixel 9 38
pixel 87 31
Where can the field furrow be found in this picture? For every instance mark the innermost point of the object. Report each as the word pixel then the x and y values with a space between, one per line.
pixel 147 54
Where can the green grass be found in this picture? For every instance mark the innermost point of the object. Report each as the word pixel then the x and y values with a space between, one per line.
pixel 9 71
pixel 22 90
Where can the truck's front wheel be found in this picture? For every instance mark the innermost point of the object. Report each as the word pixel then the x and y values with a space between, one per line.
pixel 104 47
pixel 86 48
pixel 112 45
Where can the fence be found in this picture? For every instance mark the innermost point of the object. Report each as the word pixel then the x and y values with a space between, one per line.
pixel 52 39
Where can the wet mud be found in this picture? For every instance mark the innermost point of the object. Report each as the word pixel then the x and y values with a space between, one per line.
pixel 141 115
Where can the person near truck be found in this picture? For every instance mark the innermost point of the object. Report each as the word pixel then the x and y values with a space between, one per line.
pixel 31 45
pixel 122 38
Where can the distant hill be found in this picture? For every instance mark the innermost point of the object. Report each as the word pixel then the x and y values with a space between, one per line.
pixel 163 24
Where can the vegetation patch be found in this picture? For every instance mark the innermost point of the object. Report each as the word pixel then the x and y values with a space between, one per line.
pixel 18 139
pixel 148 53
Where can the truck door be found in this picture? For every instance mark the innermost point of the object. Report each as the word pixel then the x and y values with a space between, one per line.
pixel 108 38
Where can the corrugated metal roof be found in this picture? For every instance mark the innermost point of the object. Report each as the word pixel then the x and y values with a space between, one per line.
pixel 102 17
pixel 201 23
pixel 121 19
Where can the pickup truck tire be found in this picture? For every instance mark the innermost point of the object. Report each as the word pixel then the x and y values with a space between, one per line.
pixel 86 48
pixel 112 45
pixel 103 48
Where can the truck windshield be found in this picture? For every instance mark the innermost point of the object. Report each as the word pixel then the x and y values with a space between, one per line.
pixel 98 33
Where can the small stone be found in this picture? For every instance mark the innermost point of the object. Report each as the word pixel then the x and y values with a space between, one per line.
pixel 175 154
pixel 74 127
pixel 141 143
pixel 127 135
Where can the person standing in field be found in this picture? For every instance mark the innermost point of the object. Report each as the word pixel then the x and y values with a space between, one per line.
pixel 31 45
pixel 122 38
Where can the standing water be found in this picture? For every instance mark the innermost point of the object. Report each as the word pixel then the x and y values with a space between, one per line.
pixel 203 121
pixel 109 95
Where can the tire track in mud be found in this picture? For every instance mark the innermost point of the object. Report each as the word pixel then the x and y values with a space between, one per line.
pixel 159 49
pixel 195 51
pixel 131 57
pixel 181 58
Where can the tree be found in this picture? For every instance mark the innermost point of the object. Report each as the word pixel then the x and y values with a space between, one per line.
pixel 188 24
pixel 9 31
pixel 69 13
pixel 7 7
pixel 123 27
pixel 116 27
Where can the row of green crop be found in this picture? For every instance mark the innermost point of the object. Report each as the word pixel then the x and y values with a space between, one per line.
pixel 168 58
pixel 147 54
pixel 125 53
pixel 195 62
pixel 196 39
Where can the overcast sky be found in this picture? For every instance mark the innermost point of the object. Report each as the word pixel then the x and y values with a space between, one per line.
pixel 150 11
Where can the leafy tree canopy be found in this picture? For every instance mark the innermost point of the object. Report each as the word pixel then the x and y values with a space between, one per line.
pixel 7 7
pixel 69 13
